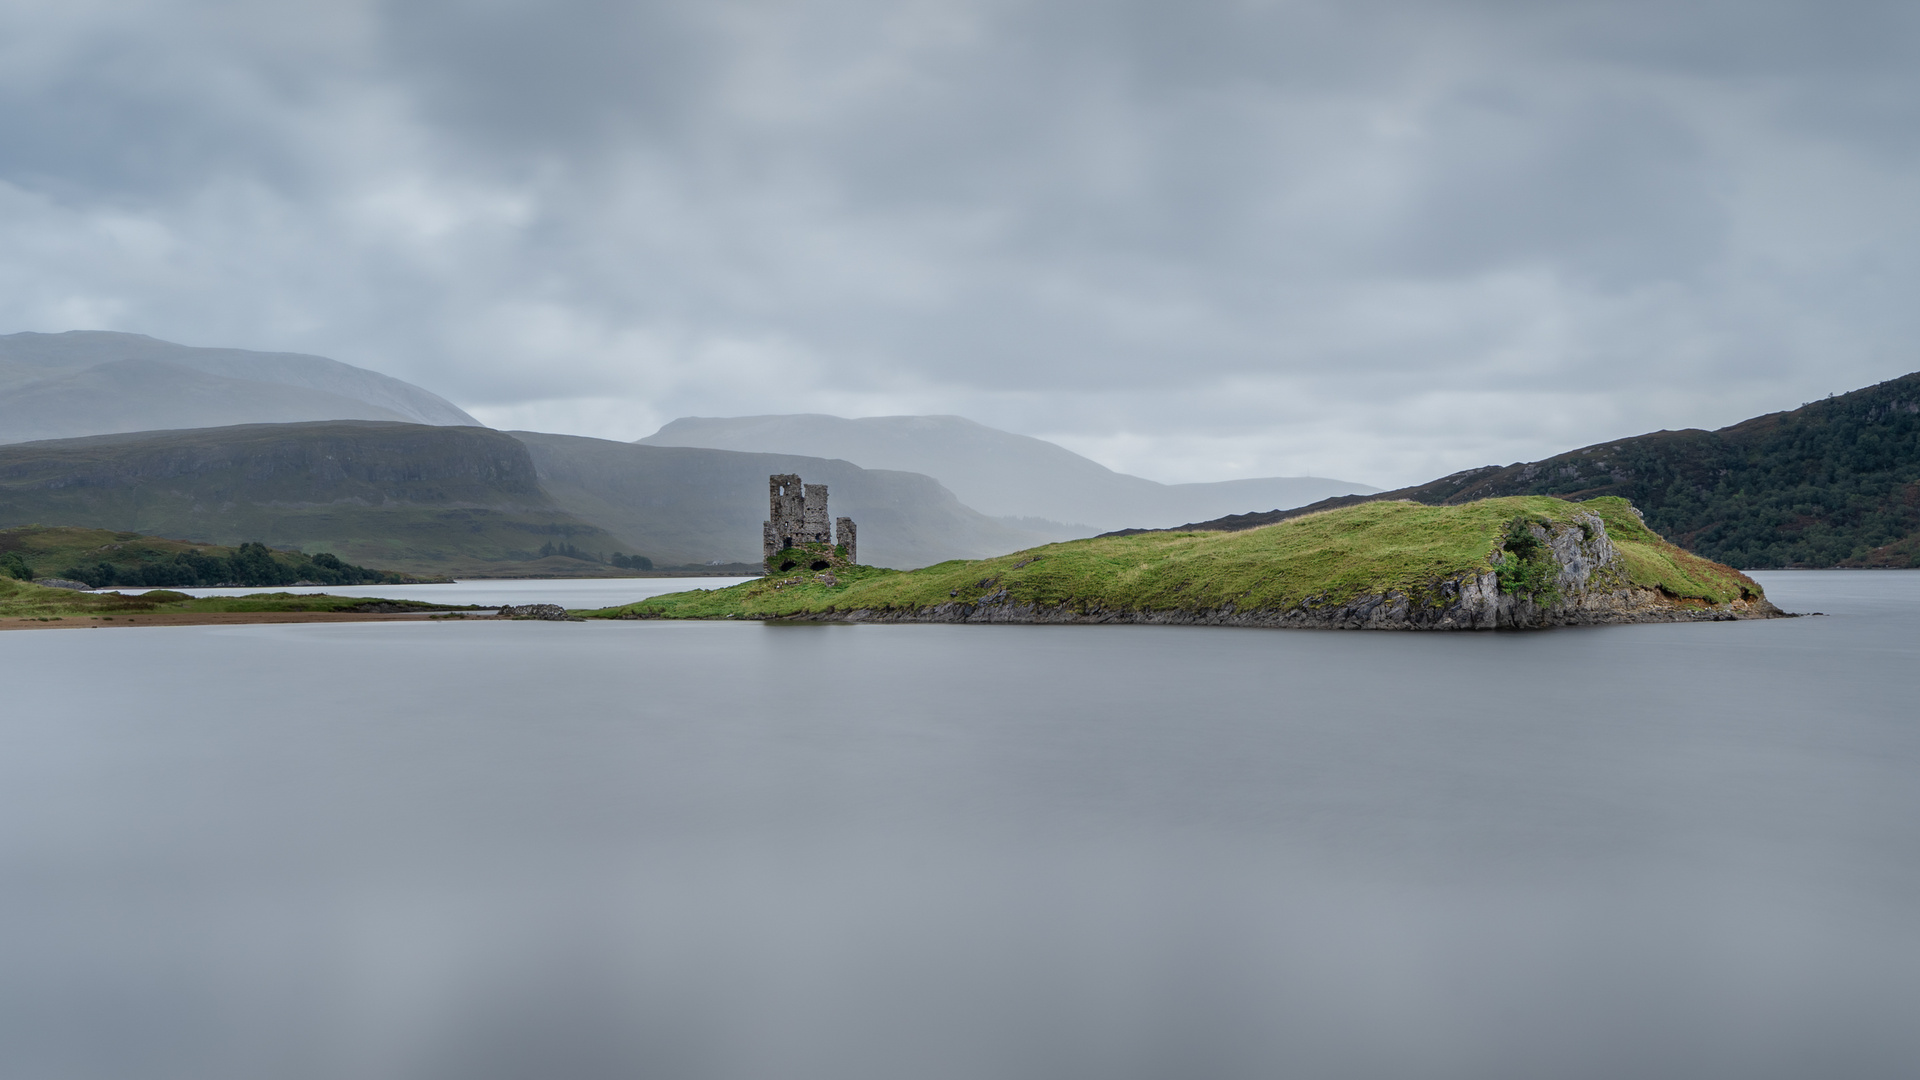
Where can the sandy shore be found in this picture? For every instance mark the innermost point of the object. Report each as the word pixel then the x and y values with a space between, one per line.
pixel 223 618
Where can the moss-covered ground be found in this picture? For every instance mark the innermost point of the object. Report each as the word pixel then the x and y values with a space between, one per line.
pixel 1321 559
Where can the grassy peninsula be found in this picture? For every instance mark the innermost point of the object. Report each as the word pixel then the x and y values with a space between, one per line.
pixel 1541 560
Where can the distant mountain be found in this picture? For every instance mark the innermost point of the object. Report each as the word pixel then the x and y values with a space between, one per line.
pixel 456 500
pixel 997 472
pixel 465 500
pixel 681 505
pixel 1833 483
pixel 94 382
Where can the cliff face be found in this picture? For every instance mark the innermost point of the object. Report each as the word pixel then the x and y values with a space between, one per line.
pixel 1588 584
pixel 1584 580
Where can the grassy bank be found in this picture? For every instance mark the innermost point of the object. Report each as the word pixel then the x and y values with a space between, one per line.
pixel 1323 559
pixel 24 600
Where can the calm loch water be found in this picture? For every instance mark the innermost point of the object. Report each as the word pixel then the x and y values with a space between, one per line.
pixel 543 850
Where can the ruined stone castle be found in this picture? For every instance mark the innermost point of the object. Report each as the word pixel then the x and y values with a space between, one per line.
pixel 796 516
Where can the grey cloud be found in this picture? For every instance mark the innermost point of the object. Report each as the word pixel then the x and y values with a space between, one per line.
pixel 1281 230
pixel 1611 190
pixel 569 77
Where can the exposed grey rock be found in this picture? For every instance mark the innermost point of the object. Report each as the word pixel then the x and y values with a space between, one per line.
pixel 62 583
pixel 548 612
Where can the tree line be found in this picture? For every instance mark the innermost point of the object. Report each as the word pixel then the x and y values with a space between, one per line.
pixel 568 551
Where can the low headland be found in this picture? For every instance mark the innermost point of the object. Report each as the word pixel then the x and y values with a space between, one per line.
pixel 24 605
pixel 47 575
pixel 1523 562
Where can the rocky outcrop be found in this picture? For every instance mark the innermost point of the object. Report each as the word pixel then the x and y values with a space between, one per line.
pixel 1578 578
pixel 545 612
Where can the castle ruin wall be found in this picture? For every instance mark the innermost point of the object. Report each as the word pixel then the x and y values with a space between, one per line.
pixel 796 516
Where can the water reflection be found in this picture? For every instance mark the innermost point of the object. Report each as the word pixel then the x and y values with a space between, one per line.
pixel 567 850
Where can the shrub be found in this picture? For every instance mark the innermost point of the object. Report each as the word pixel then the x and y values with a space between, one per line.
pixel 1527 567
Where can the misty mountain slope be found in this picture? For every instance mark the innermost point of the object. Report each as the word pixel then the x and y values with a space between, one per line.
pixel 997 472
pixel 126 395
pixel 311 387
pixel 398 496
pixel 684 504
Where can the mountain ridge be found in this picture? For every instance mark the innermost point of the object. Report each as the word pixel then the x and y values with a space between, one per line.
pixel 694 502
pixel 91 382
pixel 409 497
pixel 999 473
pixel 465 501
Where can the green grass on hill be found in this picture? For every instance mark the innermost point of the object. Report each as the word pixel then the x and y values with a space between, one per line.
pixel 1322 559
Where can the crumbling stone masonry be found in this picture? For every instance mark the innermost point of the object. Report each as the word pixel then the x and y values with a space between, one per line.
pixel 843 536
pixel 797 516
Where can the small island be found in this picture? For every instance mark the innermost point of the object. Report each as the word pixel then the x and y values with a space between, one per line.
pixel 1506 563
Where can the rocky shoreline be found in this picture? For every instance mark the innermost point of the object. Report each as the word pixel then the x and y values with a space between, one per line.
pixel 1393 611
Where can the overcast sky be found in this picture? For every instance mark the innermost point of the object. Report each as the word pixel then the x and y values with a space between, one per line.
pixel 1373 239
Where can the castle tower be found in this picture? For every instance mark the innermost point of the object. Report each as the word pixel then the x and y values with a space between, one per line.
pixel 786 510
pixel 797 516
pixel 813 524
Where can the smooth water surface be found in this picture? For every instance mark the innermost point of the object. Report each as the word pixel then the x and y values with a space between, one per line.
pixel 576 593
pixel 567 850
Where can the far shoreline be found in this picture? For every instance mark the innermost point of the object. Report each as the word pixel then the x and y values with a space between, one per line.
pixel 232 618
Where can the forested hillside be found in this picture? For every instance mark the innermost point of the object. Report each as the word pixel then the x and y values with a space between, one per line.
pixel 1836 482
pixel 1833 483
